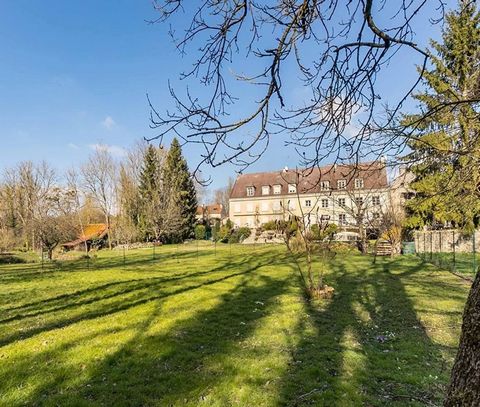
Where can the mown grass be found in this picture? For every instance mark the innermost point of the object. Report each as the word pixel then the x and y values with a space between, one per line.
pixel 464 264
pixel 225 327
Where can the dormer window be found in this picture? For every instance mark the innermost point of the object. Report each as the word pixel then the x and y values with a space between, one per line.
pixel 358 183
pixel 342 184
pixel 325 185
pixel 250 191
pixel 266 190
pixel 277 189
pixel 292 188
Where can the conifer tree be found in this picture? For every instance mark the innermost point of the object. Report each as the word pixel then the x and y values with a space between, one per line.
pixel 180 188
pixel 446 152
pixel 150 194
pixel 445 143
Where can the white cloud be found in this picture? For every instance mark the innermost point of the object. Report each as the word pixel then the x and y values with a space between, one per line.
pixel 109 123
pixel 116 151
pixel 73 146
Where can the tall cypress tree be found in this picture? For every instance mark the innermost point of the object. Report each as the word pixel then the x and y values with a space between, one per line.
pixel 179 186
pixel 149 192
pixel 445 142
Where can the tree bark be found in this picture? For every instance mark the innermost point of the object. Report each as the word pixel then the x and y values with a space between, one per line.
pixel 464 388
pixel 107 219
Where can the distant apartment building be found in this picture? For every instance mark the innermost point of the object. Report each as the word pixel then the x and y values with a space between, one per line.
pixel 334 193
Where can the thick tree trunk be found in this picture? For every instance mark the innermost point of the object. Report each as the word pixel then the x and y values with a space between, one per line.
pixel 464 388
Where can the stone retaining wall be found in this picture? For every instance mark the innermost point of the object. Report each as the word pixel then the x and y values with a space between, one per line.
pixel 446 241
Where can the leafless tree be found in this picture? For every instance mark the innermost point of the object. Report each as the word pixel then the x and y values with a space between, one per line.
pixel 307 234
pixel 222 196
pixel 27 185
pixel 76 200
pixel 364 207
pixel 8 225
pixel 99 179
pixel 128 216
pixel 55 220
pixel 338 50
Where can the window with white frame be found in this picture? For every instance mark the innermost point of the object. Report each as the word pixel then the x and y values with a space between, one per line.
pixel 277 206
pixel 277 189
pixel 308 203
pixel 292 188
pixel 266 190
pixel 342 184
pixel 249 207
pixel 325 217
pixel 359 201
pixel 291 205
pixel 375 200
pixel 342 218
pixel 264 206
pixel 342 202
pixel 250 191
pixel 358 183
pixel 324 203
pixel 325 185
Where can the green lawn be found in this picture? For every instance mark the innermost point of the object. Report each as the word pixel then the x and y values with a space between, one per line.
pixel 225 329
pixel 462 263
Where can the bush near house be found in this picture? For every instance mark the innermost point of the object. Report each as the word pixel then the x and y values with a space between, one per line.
pixel 200 231
pixel 240 234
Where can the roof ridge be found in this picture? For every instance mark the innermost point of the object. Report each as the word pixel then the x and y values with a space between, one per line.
pixel 363 163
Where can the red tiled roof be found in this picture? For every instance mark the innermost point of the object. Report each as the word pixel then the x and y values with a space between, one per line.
pixel 92 231
pixel 213 209
pixel 374 175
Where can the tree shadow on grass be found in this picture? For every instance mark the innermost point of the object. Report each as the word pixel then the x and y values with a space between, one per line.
pixel 106 299
pixel 181 365
pixel 103 302
pixel 135 262
pixel 367 345
pixel 100 292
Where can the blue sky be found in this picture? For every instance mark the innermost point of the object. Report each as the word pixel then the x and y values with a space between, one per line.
pixel 75 73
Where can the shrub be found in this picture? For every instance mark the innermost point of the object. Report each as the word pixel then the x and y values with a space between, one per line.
pixel 270 225
pixel 344 247
pixel 10 259
pixel 224 233
pixel 327 232
pixel 200 232
pixel 296 244
pixel 239 235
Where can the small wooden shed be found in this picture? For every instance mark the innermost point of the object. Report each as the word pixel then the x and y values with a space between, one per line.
pixel 93 233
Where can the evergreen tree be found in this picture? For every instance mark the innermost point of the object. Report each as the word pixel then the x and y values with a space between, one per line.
pixel 150 193
pixel 446 149
pixel 445 142
pixel 180 188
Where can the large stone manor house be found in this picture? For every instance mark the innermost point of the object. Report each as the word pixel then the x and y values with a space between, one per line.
pixel 333 193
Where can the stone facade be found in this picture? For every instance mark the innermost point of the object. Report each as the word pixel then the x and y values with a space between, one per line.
pixel 331 193
pixel 446 241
